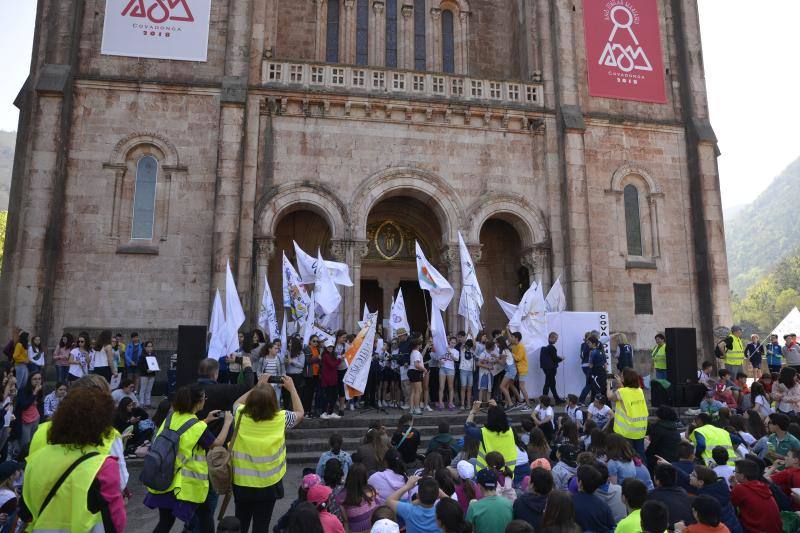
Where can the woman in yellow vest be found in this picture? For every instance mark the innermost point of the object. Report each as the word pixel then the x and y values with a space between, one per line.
pixel 258 455
pixel 659 354
pixel 706 436
pixel 495 436
pixel 89 496
pixel 630 409
pixel 189 487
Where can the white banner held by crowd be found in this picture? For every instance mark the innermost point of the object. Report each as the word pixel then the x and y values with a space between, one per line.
pixel 359 359
pixel 508 308
pixel 556 300
pixel 307 265
pixel 158 29
pixel 295 296
pixel 267 317
pixel 216 347
pixel 432 281
pixel 325 293
pixel 438 333
pixel 471 300
pixel 530 320
pixel 234 314
pixel 397 316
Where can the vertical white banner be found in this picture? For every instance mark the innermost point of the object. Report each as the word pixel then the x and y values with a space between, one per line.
pixel 158 29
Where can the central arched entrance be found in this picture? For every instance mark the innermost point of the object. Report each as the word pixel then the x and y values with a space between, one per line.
pixel 393 226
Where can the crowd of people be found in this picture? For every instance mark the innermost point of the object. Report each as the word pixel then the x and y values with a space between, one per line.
pixel 600 465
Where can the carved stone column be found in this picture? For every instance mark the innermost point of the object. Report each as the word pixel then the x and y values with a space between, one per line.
pixel 263 250
pixel 320 28
pixel 348 37
pixel 406 49
pixel 436 33
pixel 463 48
pixel 378 45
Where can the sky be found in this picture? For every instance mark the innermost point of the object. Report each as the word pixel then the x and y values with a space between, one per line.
pixel 750 52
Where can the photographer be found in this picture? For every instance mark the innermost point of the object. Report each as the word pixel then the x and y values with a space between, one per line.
pixel 630 409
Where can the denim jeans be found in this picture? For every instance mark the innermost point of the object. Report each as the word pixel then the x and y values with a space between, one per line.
pixel 587 388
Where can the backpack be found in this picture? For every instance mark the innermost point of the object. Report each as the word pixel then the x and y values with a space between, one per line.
pixel 159 463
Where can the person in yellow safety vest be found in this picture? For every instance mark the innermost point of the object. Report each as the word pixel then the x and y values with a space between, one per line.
pixel 659 354
pixel 258 453
pixel 734 351
pixel 88 497
pixel 189 487
pixel 495 436
pixel 706 437
pixel 112 440
pixel 630 409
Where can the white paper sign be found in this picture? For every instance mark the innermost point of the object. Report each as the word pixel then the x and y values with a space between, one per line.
pixel 159 29
pixel 152 363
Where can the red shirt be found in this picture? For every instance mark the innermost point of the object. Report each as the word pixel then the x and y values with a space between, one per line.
pixel 757 508
pixel 787 480
pixel 330 372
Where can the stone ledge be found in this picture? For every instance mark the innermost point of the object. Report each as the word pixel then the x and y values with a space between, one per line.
pixel 646 265
pixel 136 248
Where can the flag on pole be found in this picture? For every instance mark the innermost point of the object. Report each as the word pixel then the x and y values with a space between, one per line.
pixel 438 333
pixel 359 358
pixel 325 293
pixel 397 316
pixel 471 301
pixel 284 346
pixel 308 326
pixel 556 300
pixel 529 319
pixel 295 296
pixel 432 281
pixel 216 347
pixel 307 265
pixel 234 314
pixel 508 308
pixel 267 317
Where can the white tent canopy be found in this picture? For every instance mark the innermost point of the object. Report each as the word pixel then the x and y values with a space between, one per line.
pixel 790 324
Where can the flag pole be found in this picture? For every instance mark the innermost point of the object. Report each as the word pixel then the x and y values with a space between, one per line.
pixel 425 306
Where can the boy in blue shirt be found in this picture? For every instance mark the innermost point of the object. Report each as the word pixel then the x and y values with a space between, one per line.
pixel 591 513
pixel 419 516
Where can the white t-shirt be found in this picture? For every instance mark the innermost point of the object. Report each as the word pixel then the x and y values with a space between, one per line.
pixel 404 373
pixel 77 370
pixel 762 406
pixel 543 412
pixel 37 358
pixel 725 472
pixel 468 364
pixel 447 360
pixel 600 416
pixel 509 357
pixel 99 359
pixel 416 357
pixel 575 414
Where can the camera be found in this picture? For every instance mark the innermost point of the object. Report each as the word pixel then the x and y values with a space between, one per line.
pixel 275 379
pixel 219 414
pixel 239 359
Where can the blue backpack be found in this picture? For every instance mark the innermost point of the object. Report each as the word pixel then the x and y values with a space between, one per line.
pixel 159 463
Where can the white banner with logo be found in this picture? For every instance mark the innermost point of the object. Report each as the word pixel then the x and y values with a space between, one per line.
pixel 570 327
pixel 158 29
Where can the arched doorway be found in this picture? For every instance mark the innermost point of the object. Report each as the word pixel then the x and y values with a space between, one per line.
pixel 500 271
pixel 310 231
pixel 393 226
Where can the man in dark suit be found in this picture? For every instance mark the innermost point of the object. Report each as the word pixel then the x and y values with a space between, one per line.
pixel 548 361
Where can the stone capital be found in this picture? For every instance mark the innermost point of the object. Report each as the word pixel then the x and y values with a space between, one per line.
pixel 263 249
pixel 338 249
pixel 535 260
pixel 436 13
pixel 407 10
pixel 464 16
pixel 377 7
pixel 450 258
pixel 348 4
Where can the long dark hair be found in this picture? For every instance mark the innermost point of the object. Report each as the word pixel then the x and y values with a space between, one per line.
pixel 569 431
pixel 433 462
pixel 304 519
pixel 28 389
pixel 122 415
pixel 449 513
pixel 755 424
pixel 23 339
pixel 496 420
pixel 618 448
pixel 356 488
pixel 394 462
pixel 66 341
pixel 375 437
pixel 103 339
pixel 786 377
pixel 559 512
pixel 502 343
pixel 756 390
pixel 537 444
pixel 471 447
pixel 187 397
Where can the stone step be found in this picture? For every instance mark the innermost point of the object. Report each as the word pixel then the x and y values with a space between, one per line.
pixel 301 433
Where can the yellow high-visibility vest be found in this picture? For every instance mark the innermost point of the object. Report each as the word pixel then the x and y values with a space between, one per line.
pixel 659 354
pixel 630 414
pixel 39 439
pixel 735 355
pixel 191 470
pixel 497 442
pixel 68 511
pixel 714 437
pixel 259 452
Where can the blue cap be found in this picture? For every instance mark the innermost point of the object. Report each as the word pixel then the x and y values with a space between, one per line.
pixel 487 478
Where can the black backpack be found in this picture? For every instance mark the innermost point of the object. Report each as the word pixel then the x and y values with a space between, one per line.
pixel 159 463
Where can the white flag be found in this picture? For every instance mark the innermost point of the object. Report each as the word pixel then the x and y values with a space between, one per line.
pixel 307 265
pixel 284 345
pixel 365 314
pixel 556 300
pixel 216 347
pixel 430 280
pixel 267 318
pixel 530 319
pixel 508 308
pixel 308 327
pixel 325 293
pixel 295 296
pixel 234 314
pixel 359 358
pixel 471 301
pixel 397 316
pixel 438 333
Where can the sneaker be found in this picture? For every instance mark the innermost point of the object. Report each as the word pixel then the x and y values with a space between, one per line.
pixel 404 407
pixel 693 412
pixel 334 415
pixel 326 416
pixel 428 407
pixel 525 408
pixel 451 407
pixel 352 407
pixel 512 408
pixel 439 406
pixel 418 411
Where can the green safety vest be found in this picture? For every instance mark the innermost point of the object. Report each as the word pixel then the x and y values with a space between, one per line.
pixel 191 470
pixel 259 451
pixel 630 414
pixel 714 437
pixel 660 356
pixel 497 442
pixel 39 439
pixel 735 355
pixel 68 511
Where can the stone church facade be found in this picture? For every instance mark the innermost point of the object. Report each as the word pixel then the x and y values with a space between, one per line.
pixel 360 126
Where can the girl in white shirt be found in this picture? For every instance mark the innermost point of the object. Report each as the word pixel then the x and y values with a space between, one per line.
pixel 543 416
pixel 77 359
pixel 467 365
pixel 102 356
pixel 760 400
pixel 36 352
pixel 447 374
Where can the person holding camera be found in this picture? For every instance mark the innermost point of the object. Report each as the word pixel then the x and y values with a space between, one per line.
pixel 630 410
pixel 258 454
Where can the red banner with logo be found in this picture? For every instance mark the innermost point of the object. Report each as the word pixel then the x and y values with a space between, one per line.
pixel 623 50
